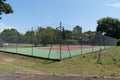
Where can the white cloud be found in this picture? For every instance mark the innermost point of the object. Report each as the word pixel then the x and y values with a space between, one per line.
pixel 116 5
pixel 4 26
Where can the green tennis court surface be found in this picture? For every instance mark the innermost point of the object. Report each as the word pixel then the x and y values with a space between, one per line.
pixel 43 52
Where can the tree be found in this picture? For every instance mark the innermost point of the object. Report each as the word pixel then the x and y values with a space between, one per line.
pixel 68 34
pixel 29 36
pixel 89 34
pixel 45 35
pixel 10 35
pixel 109 26
pixel 77 31
pixel 5 8
pixel 22 38
pixel 1 42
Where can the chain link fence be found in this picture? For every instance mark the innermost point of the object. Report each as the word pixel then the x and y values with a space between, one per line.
pixel 51 43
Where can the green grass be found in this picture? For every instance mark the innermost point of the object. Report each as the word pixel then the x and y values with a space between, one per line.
pixel 84 65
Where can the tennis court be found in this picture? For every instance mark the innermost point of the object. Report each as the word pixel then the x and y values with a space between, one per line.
pixel 54 52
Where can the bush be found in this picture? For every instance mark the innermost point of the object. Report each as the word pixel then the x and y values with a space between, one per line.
pixel 73 42
pixel 1 42
pixel 118 42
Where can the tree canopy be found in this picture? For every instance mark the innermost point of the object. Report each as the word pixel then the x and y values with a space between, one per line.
pixel 77 32
pixel 43 36
pixel 5 7
pixel 109 26
pixel 10 35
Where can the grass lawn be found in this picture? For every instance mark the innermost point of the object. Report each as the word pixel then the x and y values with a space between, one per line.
pixel 84 65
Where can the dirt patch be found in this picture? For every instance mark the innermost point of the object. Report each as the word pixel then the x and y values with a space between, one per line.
pixel 8 60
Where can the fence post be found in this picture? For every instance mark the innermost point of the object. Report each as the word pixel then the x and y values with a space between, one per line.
pixel 99 54
pixel 32 39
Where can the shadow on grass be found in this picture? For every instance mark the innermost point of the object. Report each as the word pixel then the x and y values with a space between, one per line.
pixel 49 62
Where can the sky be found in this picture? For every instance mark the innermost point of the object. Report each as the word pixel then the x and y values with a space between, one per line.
pixel 36 13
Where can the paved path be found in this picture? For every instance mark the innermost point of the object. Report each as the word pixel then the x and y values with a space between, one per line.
pixel 25 76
